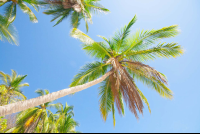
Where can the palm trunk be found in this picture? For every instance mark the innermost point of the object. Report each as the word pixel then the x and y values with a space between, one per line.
pixel 23 105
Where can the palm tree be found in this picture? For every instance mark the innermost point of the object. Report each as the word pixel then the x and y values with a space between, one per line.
pixel 7 32
pixel 11 8
pixel 120 63
pixel 10 89
pixel 65 123
pixel 28 120
pixel 61 122
pixel 123 56
pixel 78 9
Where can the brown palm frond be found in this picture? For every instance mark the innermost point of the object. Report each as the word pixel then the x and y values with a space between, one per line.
pixel 115 91
pixel 126 86
pixel 54 1
pixel 66 4
pixel 151 72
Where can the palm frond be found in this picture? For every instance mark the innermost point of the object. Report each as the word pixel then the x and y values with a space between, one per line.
pixel 106 99
pixel 89 72
pixel 7 32
pixel 162 50
pixel 28 11
pixel 144 39
pixel 144 99
pixel 120 36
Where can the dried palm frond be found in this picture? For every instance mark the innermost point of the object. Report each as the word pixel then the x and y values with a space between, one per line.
pixel 121 81
pixel 151 72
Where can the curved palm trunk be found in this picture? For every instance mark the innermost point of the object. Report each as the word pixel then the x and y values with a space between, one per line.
pixel 23 105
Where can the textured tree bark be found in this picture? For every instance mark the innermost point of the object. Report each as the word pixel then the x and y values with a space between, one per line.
pixel 23 105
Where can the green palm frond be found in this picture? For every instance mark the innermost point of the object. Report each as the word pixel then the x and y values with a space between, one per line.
pixel 113 114
pixel 120 36
pixel 75 19
pixel 2 3
pixel 23 85
pixel 15 83
pixel 7 32
pixel 28 11
pixel 10 13
pixel 77 34
pixel 143 39
pixel 97 49
pixel 19 95
pixel 170 50
pixel 106 99
pixel 89 72
pixel 144 99
pixel 3 77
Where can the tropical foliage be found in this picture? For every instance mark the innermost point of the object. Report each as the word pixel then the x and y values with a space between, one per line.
pixel 124 54
pixel 41 120
pixel 7 31
pixel 10 89
pixel 3 124
pixel 11 9
pixel 77 9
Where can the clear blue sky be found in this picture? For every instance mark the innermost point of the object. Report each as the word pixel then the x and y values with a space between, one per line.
pixel 50 58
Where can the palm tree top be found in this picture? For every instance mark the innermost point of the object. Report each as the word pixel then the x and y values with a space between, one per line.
pixel 123 55
pixel 11 9
pixel 77 9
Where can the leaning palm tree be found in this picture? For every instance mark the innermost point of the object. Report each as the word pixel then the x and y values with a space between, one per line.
pixel 119 65
pixel 28 120
pixel 10 89
pixel 11 8
pixel 7 31
pixel 78 9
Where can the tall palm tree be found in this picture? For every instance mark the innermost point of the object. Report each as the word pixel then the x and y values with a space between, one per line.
pixel 10 89
pixel 11 8
pixel 78 9
pixel 120 63
pixel 7 31
pixel 28 120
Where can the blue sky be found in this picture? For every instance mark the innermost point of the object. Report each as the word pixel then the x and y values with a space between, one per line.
pixel 50 58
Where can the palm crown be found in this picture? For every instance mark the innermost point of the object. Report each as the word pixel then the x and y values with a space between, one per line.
pixel 10 89
pixel 36 117
pixel 123 56
pixel 78 9
pixel 11 8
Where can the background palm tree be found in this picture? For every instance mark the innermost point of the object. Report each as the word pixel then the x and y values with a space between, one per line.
pixel 7 31
pixel 118 66
pixel 11 7
pixel 78 9
pixel 65 123
pixel 42 120
pixel 28 120
pixel 10 89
